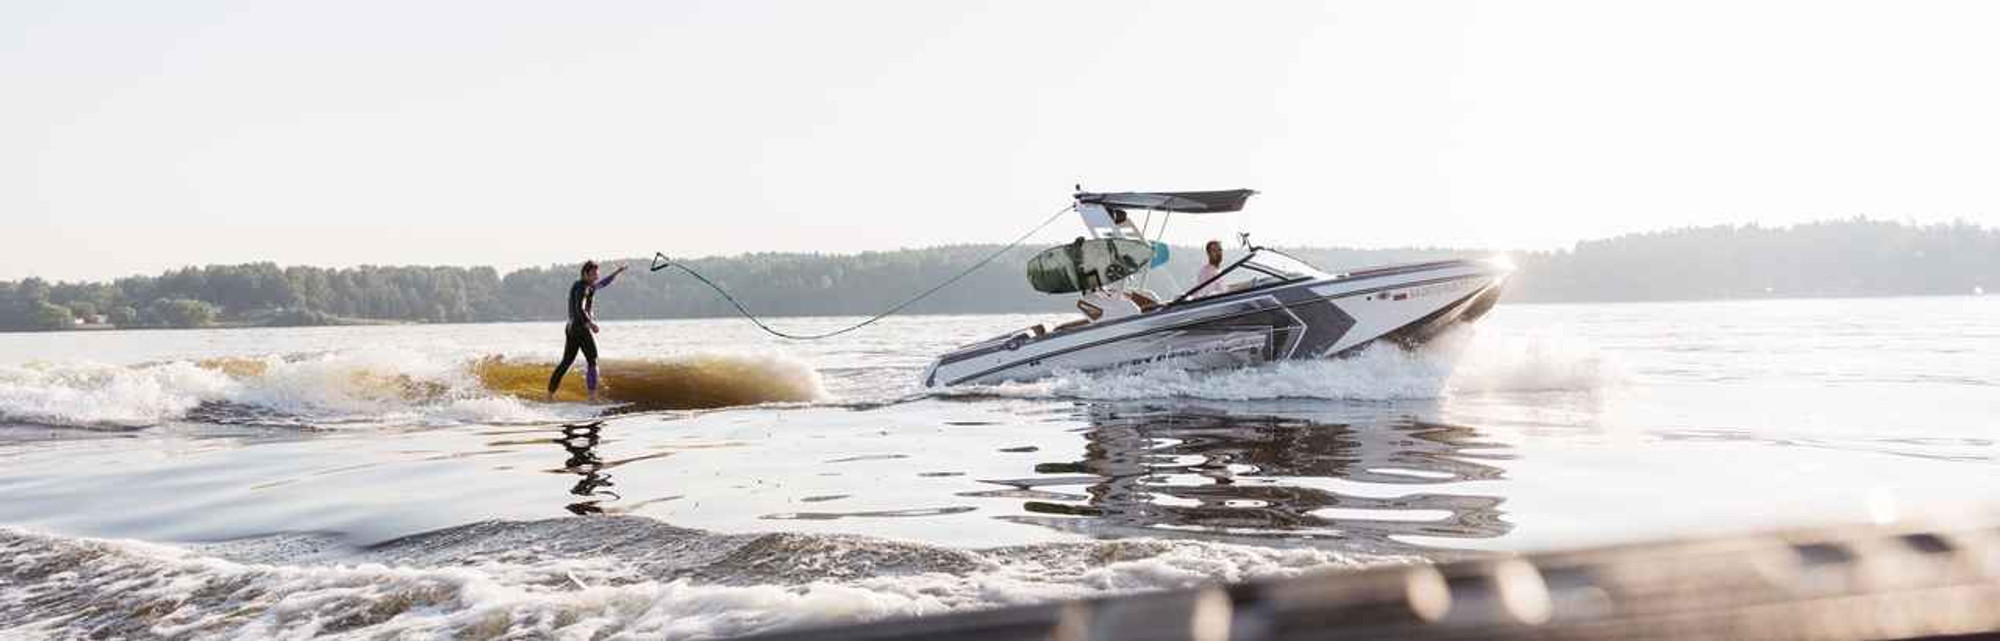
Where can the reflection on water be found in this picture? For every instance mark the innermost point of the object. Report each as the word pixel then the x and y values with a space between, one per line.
pixel 580 441
pixel 594 484
pixel 1295 471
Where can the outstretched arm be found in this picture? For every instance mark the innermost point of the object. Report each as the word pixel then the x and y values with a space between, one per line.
pixel 606 281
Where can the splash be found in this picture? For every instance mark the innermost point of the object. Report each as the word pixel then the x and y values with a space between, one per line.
pixel 378 386
pixel 1497 363
pixel 1458 362
pixel 106 396
pixel 613 577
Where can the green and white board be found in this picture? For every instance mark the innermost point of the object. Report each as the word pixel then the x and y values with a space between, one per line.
pixel 1087 264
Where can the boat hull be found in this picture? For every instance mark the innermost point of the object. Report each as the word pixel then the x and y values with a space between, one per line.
pixel 1300 319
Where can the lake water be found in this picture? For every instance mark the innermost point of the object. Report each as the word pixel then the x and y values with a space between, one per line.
pixel 402 481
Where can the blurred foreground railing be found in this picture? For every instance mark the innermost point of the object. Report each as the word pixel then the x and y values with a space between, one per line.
pixel 1869 582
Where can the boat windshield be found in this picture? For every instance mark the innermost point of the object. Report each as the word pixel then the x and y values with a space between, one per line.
pixel 1280 264
pixel 1264 266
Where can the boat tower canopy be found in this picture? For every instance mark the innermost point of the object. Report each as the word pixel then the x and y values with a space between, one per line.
pixel 1186 202
pixel 1105 217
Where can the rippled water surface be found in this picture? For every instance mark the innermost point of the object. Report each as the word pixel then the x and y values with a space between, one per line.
pixel 404 481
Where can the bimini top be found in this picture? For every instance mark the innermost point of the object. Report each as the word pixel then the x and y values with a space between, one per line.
pixel 1193 202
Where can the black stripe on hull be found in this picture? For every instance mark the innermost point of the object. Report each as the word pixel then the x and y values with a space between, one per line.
pixel 1303 325
pixel 1279 315
pixel 1300 324
pixel 1324 325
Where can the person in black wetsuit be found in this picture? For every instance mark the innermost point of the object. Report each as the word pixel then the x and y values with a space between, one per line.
pixel 577 333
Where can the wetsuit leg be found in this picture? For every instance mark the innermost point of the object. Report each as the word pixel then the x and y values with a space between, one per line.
pixel 570 346
pixel 589 346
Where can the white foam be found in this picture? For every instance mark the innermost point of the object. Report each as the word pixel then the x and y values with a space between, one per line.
pixel 1458 362
pixel 94 395
pixel 165 591
pixel 1495 362
pixel 491 410
pixel 372 386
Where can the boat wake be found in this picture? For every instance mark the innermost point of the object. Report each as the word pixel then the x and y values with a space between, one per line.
pixel 605 577
pixel 380 387
pixel 1456 363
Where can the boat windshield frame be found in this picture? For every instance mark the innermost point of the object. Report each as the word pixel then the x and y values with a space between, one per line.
pixel 1285 269
pixel 1281 264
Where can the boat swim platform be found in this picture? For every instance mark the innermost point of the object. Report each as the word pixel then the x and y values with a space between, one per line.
pixel 1894 581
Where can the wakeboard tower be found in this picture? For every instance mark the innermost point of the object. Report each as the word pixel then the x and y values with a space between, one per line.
pixel 1264 306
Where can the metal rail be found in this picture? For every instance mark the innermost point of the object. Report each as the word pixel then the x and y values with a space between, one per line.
pixel 1905 581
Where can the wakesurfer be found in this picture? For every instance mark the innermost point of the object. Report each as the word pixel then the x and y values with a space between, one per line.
pixel 577 334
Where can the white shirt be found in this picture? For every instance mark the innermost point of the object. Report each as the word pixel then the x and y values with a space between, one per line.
pixel 1207 273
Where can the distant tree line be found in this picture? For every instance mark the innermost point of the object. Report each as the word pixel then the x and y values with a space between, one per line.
pixel 1856 257
pixel 1848 258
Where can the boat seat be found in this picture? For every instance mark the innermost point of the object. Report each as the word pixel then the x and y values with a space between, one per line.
pixel 1090 312
pixel 1103 305
pixel 1144 299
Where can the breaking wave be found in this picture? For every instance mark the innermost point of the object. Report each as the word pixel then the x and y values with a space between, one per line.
pixel 600 577
pixel 380 387
pixel 698 381
pixel 1456 363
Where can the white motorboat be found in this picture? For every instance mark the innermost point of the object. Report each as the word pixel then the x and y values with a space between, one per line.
pixel 1264 306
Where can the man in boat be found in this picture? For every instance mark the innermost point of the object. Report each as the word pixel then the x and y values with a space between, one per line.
pixel 1205 279
pixel 577 334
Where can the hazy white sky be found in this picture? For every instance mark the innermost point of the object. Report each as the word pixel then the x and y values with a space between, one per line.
pixel 137 136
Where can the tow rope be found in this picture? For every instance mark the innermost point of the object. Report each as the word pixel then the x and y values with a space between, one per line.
pixel 660 261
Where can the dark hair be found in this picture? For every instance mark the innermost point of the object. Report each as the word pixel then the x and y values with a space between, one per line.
pixel 1213 243
pixel 587 266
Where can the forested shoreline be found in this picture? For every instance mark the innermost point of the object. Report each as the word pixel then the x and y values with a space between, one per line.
pixel 1857 257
